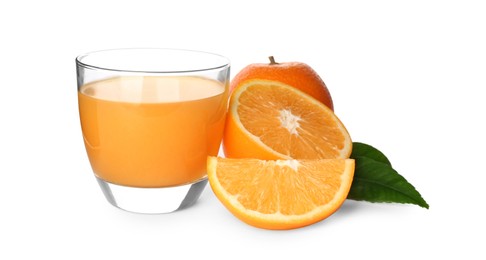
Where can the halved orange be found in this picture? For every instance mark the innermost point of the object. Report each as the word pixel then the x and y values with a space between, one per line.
pixel 272 120
pixel 281 194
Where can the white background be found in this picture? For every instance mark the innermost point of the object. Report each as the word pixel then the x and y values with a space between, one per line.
pixel 406 76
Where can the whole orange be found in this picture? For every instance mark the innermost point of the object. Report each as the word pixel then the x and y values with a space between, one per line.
pixel 296 74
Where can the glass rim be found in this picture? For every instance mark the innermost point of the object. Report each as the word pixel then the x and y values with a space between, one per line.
pixel 225 62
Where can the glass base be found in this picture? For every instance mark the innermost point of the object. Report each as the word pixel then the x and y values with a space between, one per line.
pixel 152 200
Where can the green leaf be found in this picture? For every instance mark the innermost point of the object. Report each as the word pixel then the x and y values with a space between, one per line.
pixel 366 150
pixel 376 181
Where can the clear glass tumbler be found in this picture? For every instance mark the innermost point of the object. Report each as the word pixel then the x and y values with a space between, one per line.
pixel 150 118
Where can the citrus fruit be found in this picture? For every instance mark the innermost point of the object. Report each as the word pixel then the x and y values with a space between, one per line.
pixel 271 120
pixel 295 74
pixel 280 194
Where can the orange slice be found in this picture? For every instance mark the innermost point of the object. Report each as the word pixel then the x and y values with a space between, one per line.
pixel 281 194
pixel 271 120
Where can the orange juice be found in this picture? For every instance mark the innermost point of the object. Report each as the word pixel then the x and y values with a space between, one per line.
pixel 152 131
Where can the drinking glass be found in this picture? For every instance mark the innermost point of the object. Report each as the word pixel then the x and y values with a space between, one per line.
pixel 149 118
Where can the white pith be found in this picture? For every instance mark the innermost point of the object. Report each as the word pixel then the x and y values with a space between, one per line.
pixel 289 121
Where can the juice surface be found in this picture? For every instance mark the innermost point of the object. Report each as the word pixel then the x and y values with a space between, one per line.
pixel 152 131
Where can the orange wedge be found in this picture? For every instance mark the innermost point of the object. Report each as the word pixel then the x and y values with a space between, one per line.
pixel 281 194
pixel 272 120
